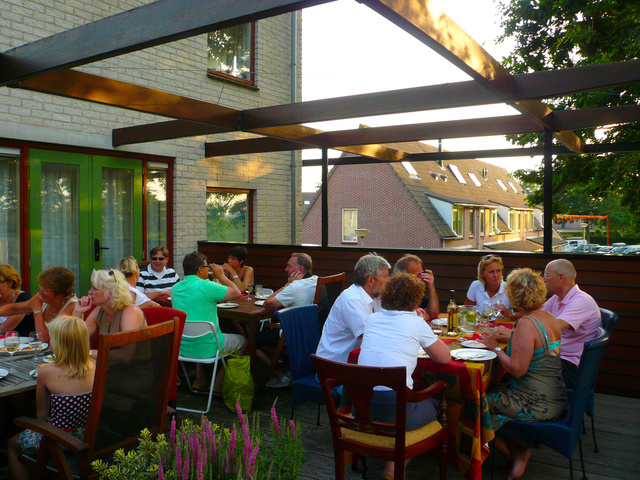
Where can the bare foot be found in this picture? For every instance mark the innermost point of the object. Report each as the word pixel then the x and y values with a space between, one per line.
pixel 520 459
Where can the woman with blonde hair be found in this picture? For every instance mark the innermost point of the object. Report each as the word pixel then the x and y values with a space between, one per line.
pixel 488 289
pixel 115 311
pixel 131 271
pixel 63 391
pixel 535 392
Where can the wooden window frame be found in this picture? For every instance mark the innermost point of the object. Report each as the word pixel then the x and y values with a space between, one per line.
pixel 252 67
pixel 250 197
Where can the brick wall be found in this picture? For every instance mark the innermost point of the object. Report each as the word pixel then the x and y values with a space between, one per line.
pixel 179 68
pixel 383 207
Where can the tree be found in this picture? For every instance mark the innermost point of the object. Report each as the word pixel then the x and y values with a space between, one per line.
pixel 551 34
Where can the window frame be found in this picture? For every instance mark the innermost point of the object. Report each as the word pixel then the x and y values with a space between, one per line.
pixel 472 222
pixel 211 72
pixel 457 217
pixel 342 221
pixel 494 222
pixel 482 219
pixel 250 205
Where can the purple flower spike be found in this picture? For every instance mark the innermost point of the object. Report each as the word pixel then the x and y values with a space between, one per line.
pixel 178 458
pixel 274 419
pixel 185 473
pixel 232 441
pixel 292 426
pixel 160 472
pixel 172 435
pixel 252 460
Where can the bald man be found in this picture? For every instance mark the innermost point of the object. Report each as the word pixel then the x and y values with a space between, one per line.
pixel 576 312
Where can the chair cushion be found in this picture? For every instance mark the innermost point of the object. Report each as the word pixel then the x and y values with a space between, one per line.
pixel 412 437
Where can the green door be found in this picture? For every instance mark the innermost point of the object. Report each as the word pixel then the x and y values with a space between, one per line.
pixel 85 213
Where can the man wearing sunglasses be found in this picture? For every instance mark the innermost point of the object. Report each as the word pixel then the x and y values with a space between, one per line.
pixel 156 280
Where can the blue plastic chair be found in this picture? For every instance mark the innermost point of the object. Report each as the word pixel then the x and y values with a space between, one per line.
pixel 302 334
pixel 562 434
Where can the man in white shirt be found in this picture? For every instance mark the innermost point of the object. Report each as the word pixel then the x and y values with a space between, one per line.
pixel 300 287
pixel 156 280
pixel 342 332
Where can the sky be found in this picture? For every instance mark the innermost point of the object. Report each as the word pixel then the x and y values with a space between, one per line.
pixel 349 49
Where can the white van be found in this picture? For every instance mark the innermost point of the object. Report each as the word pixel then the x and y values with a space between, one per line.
pixel 573 243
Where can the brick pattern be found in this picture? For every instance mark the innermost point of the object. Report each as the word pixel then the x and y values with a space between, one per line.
pixel 179 68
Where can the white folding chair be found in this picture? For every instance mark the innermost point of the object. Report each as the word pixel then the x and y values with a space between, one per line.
pixel 196 330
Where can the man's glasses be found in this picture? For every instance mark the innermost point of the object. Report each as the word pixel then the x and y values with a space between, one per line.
pixel 157 259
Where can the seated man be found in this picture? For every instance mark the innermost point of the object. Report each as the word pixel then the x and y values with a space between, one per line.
pixel 576 312
pixel 413 265
pixel 157 280
pixel 297 292
pixel 342 332
pixel 198 297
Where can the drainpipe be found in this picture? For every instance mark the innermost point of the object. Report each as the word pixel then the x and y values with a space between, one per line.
pixel 294 94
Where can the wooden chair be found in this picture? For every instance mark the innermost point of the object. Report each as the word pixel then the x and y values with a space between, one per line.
pixel 328 289
pixel 360 434
pixel 130 392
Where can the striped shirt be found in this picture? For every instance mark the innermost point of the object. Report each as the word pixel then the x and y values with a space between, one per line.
pixel 151 281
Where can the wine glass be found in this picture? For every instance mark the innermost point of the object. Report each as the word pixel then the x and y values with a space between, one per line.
pixel 12 344
pixel 496 308
pixel 249 289
pixel 35 342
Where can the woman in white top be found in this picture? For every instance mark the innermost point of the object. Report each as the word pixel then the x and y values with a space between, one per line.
pixel 392 338
pixel 129 267
pixel 489 288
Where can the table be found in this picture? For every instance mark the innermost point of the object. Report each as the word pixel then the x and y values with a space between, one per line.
pixel 22 381
pixel 469 420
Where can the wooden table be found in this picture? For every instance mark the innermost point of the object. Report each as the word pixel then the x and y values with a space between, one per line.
pixel 21 381
pixel 249 313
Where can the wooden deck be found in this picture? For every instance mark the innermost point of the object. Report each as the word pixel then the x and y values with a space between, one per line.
pixel 617 425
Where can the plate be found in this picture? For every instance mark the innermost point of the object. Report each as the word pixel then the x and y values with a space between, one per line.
pixel 259 303
pixel 227 305
pixel 473 355
pixel 422 353
pixel 3 372
pixel 27 348
pixel 49 358
pixel 439 322
pixel 262 297
pixel 473 344
pixel 23 348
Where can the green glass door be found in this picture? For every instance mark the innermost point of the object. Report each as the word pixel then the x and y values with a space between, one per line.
pixel 85 213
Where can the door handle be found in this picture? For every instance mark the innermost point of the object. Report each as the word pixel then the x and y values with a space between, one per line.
pixel 97 248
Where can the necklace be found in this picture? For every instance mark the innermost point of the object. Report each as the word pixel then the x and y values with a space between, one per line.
pixel 55 314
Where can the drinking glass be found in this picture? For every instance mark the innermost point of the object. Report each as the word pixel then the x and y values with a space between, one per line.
pixel 35 342
pixel 12 344
pixel 467 319
pixel 259 292
pixel 249 290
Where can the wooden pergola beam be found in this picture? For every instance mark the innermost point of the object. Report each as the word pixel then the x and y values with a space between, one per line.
pixel 164 21
pixel 430 25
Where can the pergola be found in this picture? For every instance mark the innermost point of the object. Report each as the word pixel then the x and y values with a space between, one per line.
pixel 46 65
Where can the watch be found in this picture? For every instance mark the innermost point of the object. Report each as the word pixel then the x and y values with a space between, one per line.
pixel 497 349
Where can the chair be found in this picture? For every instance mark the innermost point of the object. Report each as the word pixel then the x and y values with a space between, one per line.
pixel 195 330
pixel 609 320
pixel 130 392
pixel 362 435
pixel 300 327
pixel 328 289
pixel 155 315
pixel 561 435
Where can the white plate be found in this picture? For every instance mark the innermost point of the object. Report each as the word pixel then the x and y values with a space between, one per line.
pixel 422 353
pixel 227 305
pixel 23 348
pixel 49 358
pixel 259 303
pixel 27 348
pixel 439 322
pixel 3 372
pixel 473 344
pixel 262 297
pixel 473 355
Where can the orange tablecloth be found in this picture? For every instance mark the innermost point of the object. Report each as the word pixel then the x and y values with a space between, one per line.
pixel 468 415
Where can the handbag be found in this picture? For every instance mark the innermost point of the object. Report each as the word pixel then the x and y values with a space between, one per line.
pixel 238 385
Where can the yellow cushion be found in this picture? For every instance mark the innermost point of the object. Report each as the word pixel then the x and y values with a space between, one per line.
pixel 414 436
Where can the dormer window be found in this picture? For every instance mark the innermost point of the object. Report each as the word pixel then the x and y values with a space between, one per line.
pixel 456 173
pixel 410 170
pixel 474 179
pixel 513 187
pixel 502 185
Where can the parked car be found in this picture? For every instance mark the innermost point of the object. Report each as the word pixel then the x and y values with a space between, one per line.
pixel 578 249
pixel 631 250
pixel 603 250
pixel 592 247
pixel 617 250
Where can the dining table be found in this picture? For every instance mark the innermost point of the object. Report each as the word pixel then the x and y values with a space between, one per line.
pixel 468 417
pixel 21 380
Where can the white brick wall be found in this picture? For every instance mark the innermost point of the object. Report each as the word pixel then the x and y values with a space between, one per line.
pixel 178 68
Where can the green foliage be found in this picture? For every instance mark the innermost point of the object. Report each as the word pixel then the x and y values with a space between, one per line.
pixel 552 34
pixel 227 217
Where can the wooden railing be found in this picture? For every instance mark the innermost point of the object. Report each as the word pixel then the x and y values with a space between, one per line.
pixel 613 281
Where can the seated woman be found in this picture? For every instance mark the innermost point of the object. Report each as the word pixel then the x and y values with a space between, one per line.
pixel 55 298
pixel 115 310
pixel 10 293
pixel 393 337
pixel 129 268
pixel 63 392
pixel 235 269
pixel 489 288
pixel 536 392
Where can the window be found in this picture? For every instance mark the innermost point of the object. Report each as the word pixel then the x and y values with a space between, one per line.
pixel 512 220
pixel 513 187
pixel 229 215
pixel 456 173
pixel 349 225
pixel 10 207
pixel 474 179
pixel 472 221
pixel 482 220
pixel 532 223
pixel 494 222
pixel 156 205
pixel 458 221
pixel 231 53
pixel 410 170
pixel 502 186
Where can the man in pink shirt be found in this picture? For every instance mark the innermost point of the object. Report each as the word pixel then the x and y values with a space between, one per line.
pixel 576 311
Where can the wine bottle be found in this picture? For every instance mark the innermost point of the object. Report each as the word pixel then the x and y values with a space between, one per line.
pixel 452 313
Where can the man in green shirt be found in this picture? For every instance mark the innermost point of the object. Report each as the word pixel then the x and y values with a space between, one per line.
pixel 198 297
